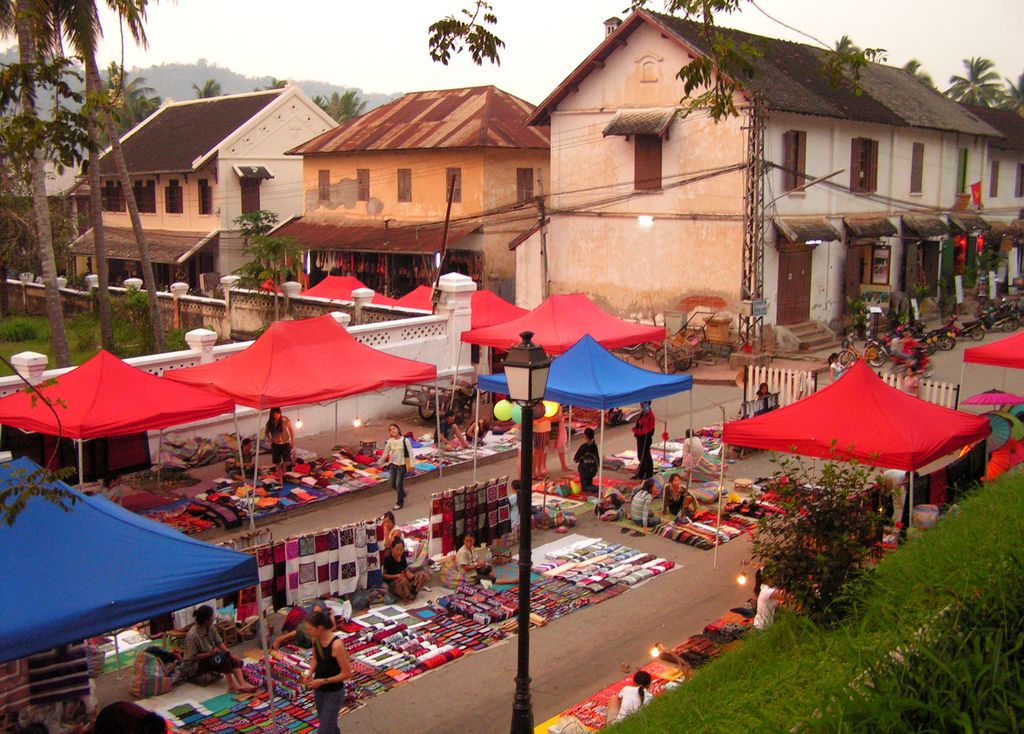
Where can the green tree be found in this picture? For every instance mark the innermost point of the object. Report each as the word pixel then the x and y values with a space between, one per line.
pixel 210 88
pixel 824 538
pixel 980 85
pixel 1013 99
pixel 914 67
pixel 133 101
pixel 710 82
pixel 342 107
pixel 272 258
pixel 18 248
pixel 274 83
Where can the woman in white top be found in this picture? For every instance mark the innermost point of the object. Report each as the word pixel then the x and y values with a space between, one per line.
pixel 768 600
pixel 398 454
pixel 630 698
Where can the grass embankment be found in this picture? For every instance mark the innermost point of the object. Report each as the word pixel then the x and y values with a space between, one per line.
pixel 962 674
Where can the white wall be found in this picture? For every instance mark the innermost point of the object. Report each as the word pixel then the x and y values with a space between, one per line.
pixel 1005 206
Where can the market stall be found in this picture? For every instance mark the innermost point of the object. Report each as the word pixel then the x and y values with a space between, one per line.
pixel 340 287
pixel 587 375
pixel 106 397
pixel 860 417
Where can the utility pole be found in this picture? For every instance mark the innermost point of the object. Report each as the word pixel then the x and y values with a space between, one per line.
pixel 752 285
pixel 542 223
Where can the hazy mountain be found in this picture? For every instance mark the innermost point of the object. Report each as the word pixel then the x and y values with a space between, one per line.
pixel 175 80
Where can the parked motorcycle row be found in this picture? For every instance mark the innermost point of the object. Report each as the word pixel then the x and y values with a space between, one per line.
pixel 911 345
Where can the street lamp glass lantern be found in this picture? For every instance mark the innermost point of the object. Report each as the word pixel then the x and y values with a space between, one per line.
pixel 526 371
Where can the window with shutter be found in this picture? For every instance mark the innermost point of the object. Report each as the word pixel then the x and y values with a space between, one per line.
pixel 794 154
pixel 863 165
pixel 961 171
pixel 524 185
pixel 405 184
pixel 872 165
pixel 993 180
pixel 363 181
pixel 917 168
pixel 205 197
pixel 323 185
pixel 145 196
pixel 1018 187
pixel 173 197
pixel 250 195
pixel 646 163
pixel 454 174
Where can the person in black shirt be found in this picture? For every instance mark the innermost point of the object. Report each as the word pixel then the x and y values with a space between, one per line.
pixel 403 582
pixel 330 670
pixel 587 460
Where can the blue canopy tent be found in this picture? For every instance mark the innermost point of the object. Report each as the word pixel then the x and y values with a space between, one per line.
pixel 589 376
pixel 98 567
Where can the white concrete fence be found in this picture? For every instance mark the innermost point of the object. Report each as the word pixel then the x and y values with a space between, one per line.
pixel 791 385
pixel 939 393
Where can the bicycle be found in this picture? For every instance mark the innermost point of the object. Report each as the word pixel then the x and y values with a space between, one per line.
pixel 874 352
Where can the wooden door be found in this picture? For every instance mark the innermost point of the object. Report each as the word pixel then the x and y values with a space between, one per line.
pixel 854 270
pixel 794 290
pixel 930 252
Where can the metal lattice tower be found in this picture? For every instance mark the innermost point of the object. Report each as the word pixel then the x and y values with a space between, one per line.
pixel 752 287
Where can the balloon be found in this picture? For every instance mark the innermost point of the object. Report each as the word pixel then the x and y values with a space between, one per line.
pixel 503 410
pixel 551 408
pixel 538 411
pixel 517 414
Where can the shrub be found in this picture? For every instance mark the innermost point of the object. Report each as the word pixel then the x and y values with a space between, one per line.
pixel 19 330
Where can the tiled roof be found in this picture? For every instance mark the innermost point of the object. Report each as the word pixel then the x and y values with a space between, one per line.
pixel 870 226
pixel 789 78
pixel 165 246
pixel 475 117
pixel 312 235
pixel 1009 124
pixel 178 133
pixel 968 221
pixel 802 230
pixel 924 226
pixel 640 122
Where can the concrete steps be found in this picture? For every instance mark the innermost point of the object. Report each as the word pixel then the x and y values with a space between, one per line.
pixel 810 336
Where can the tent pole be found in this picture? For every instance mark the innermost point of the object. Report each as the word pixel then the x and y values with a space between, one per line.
pixel 910 512
pixel 238 440
pixel 963 375
pixel 721 488
pixel 159 454
pixel 600 465
pixel 437 425
pixel 691 410
pixel 476 432
pixel 664 369
pixel 568 435
pixel 336 422
pixel 81 481
pixel 255 474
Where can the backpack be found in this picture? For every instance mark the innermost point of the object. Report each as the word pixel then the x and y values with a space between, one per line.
pixel 588 463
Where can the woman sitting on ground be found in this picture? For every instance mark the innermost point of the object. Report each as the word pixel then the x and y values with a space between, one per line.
pixel 677 500
pixel 403 582
pixel 640 508
pixel 630 698
pixel 391 531
pixel 205 652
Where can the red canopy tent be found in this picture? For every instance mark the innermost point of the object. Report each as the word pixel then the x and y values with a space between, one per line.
pixel 299 362
pixel 340 287
pixel 490 310
pixel 860 417
pixel 560 322
pixel 418 297
pixel 1008 352
pixel 106 397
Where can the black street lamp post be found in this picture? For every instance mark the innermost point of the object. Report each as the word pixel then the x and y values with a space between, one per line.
pixel 526 370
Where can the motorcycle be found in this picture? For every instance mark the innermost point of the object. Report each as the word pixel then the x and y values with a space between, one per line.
pixel 1003 317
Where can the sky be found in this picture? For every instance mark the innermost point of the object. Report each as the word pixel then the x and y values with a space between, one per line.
pixel 382 46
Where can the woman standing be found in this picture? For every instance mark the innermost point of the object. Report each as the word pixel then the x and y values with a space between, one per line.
pixel 205 652
pixel 643 431
pixel 330 670
pixel 282 441
pixel 398 455
pixel 561 424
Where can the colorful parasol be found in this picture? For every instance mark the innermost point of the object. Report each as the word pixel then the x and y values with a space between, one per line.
pixel 1016 426
pixel 994 397
pixel 1001 428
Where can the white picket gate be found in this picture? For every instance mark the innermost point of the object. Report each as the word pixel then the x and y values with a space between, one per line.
pixel 791 385
pixel 939 393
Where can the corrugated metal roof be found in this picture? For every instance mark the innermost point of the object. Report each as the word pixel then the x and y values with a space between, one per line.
pixel 803 230
pixel 165 246
pixel 474 117
pixel 640 122
pixel 178 133
pixel 789 78
pixel 372 238
pixel 871 226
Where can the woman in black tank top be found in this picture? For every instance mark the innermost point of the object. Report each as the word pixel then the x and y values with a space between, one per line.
pixel 330 671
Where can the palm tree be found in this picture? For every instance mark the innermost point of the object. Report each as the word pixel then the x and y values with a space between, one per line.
pixel 1013 98
pixel 342 107
pixel 980 86
pixel 210 88
pixel 23 16
pixel 81 24
pixel 846 45
pixel 135 101
pixel 274 83
pixel 913 67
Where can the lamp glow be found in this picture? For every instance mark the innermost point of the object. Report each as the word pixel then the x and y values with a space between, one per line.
pixel 298 423
pixel 655 652
pixel 645 220
pixel 742 579
pixel 356 422
pixel 437 259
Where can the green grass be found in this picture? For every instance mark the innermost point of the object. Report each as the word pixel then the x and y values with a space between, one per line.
pixel 965 675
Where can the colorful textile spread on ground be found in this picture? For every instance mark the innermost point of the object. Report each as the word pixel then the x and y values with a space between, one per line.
pixel 227 504
pixel 700 530
pixel 672 456
pixel 230 713
pixel 482 509
pixel 717 637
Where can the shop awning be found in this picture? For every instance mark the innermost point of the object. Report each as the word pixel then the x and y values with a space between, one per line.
pixel 641 122
pixel 98 567
pixel 1002 229
pixel 860 417
pixel 165 246
pixel 968 222
pixel 807 230
pixel 915 225
pixel 870 226
pixel 260 173
pixel 413 240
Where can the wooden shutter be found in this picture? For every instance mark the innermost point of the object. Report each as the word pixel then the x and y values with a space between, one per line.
pixel 1018 189
pixel 647 163
pixel 856 173
pixel 800 138
pixel 173 197
pixel 323 185
pixel 871 164
pixel 250 195
pixel 405 184
pixel 524 184
pixel 363 181
pixel 917 169
pixel 993 180
pixel 205 197
pixel 789 160
pixel 456 175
